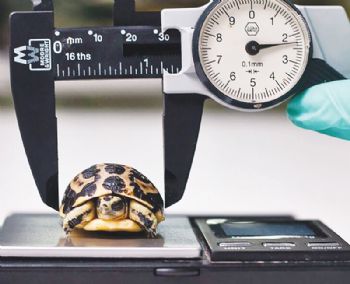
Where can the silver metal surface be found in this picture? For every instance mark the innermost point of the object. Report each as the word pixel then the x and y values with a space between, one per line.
pixel 41 235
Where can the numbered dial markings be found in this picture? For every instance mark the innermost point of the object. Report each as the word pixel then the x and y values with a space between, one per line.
pixel 253 52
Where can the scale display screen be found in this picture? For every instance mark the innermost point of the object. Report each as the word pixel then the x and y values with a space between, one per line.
pixel 231 229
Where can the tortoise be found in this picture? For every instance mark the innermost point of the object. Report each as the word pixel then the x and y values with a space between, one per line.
pixel 112 198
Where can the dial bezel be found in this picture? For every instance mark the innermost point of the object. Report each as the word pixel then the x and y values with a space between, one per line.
pixel 234 103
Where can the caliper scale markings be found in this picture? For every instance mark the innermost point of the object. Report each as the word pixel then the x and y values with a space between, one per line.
pixel 115 52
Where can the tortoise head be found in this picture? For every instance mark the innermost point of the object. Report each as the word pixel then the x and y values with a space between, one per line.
pixel 111 207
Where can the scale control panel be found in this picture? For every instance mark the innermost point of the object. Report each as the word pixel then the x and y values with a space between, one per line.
pixel 270 240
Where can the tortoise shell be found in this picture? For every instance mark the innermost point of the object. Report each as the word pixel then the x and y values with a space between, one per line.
pixel 104 179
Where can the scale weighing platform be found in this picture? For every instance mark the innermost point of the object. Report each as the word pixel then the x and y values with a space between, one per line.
pixel 191 50
pixel 34 249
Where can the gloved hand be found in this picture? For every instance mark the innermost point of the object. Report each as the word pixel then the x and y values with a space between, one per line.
pixel 324 108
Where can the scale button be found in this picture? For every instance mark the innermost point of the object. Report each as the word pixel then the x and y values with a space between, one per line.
pixel 235 244
pixel 323 245
pixel 276 244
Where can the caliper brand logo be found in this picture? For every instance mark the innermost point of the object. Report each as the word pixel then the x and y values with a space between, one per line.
pixel 37 54
pixel 252 29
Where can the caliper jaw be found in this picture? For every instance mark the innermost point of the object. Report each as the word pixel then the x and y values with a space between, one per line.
pixel 181 124
pixel 182 110
pixel 33 90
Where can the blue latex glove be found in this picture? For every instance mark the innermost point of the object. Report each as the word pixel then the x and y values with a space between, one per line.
pixel 324 108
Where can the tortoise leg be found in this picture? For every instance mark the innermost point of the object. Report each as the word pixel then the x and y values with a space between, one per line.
pixel 144 217
pixel 79 216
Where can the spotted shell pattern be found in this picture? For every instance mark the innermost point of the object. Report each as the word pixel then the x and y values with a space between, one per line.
pixel 106 179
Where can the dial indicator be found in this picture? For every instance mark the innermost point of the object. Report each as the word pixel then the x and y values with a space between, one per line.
pixel 252 53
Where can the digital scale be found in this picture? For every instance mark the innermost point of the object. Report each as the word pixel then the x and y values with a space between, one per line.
pixel 248 55
pixel 34 249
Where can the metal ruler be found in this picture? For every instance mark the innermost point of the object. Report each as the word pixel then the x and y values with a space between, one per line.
pixel 115 52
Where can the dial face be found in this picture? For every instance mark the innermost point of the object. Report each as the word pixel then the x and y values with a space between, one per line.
pixel 252 52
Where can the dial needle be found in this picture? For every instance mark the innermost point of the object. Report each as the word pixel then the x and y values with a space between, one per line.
pixel 253 47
